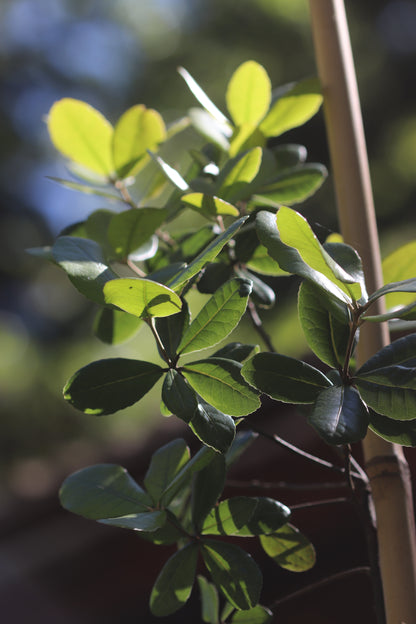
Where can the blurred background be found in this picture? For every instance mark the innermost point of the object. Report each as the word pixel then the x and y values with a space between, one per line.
pixel 114 54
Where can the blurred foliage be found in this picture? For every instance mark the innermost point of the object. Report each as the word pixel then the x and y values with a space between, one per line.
pixel 115 55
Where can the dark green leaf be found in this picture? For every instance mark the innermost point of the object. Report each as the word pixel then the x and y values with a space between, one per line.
pixel 130 229
pixel 246 516
pixel 212 427
pixel 295 184
pixel 84 188
pixel 103 491
pixel 214 275
pixel 147 521
pixel 242 441
pixel 171 328
pixel 390 391
pixel 290 549
pixel 178 396
pixel 106 386
pixel 284 378
pixel 83 261
pixel 207 488
pixel 236 351
pixel 166 463
pixel 96 228
pixel 220 383
pixel 262 294
pixel 198 462
pixel 234 572
pixel 401 352
pixel 325 334
pixel 174 584
pixel 397 431
pixel 405 286
pixel 339 415
pixel 115 326
pixel 142 297
pixel 256 615
pixel 207 255
pixel 218 317
pixel 289 155
pixel 210 601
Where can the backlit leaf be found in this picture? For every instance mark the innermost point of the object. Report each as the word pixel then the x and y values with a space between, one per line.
pixel 246 516
pixel 248 94
pixel 130 229
pixel 142 297
pixel 398 266
pixel 208 205
pixel 115 326
pixel 174 584
pixel 165 464
pixel 210 601
pixel 290 549
pixel 238 173
pixel 256 615
pixel 397 431
pixel 294 185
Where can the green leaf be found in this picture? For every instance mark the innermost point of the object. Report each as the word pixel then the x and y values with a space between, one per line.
pixel 210 601
pixel 165 465
pixel 405 286
pixel 209 205
pixel 148 521
pixel 256 615
pixel 326 335
pixel 262 263
pixel 142 297
pixel 84 188
pixel 174 584
pixel 219 382
pixel 170 173
pixel 207 255
pixel 207 488
pixel 82 259
pixel 234 572
pixel 137 130
pixel 236 351
pixel 238 173
pixel 202 97
pixel 211 129
pixel 198 462
pixel 178 396
pixel 401 352
pixel 246 516
pixel 295 184
pixel 293 109
pixel 397 431
pixel 171 328
pixel 339 415
pixel 103 491
pixel 130 229
pixel 82 134
pixel 248 94
pixel 390 391
pixel 289 155
pixel 106 386
pixel 212 427
pixel 214 276
pixel 96 228
pixel 399 266
pixel 284 378
pixel 348 258
pixel 262 294
pixel 115 326
pixel 242 441
pixel 218 317
pixel 290 549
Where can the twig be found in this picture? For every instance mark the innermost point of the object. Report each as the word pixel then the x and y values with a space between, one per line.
pixel 284 485
pixel 328 501
pixel 258 325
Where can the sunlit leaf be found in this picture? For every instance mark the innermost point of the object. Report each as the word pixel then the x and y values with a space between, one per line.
pixel 261 262
pixel 290 549
pixel 137 130
pixel 248 94
pixel 210 601
pixel 174 584
pixel 220 383
pixel 130 229
pixel 165 464
pixel 293 109
pixel 202 97
pixel 398 266
pixel 234 572
pixel 82 134
pixel 284 378
pixel 256 615
pixel 146 521
pixel 142 297
pixel 238 173
pixel 103 491
pixel 339 415
pixel 106 386
pixel 246 516
pixel 294 185
pixel 208 205
pixel 115 326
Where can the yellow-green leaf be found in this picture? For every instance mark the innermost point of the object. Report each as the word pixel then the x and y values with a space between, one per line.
pixel 142 297
pixel 209 205
pixel 398 266
pixel 248 94
pixel 82 134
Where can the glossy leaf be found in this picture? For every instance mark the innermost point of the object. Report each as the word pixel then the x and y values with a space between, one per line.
pixel 137 130
pixel 82 134
pixel 238 173
pixel 284 378
pixel 85 188
pixel 165 464
pixel 147 521
pixel 293 109
pixel 397 431
pixel 178 396
pixel 339 415
pixel 401 352
pixel 290 549
pixel 294 185
pixel 348 258
pixel 130 229
pixel 390 391
pixel 256 615
pixel 209 205
pixel 218 317
pixel 103 491
pixel 242 441
pixel 174 584
pixel 210 601
pixel 234 572
pixel 82 259
pixel 207 255
pixel 106 386
pixel 262 294
pixel 248 94
pixel 212 427
pixel 142 297
pixel 236 351
pixel 214 276
pixel 325 334
pixel 220 383
pixel 202 97
pixel 246 516
pixel 207 488
pixel 399 266
pixel 171 328
pixel 211 129
pixel 405 286
pixel 170 173
pixel 115 326
pixel 289 155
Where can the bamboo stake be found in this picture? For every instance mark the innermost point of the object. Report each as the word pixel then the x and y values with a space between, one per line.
pixel 385 463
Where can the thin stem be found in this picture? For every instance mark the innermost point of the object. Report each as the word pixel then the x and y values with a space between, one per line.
pixel 347 466
pixel 328 501
pixel 135 268
pixel 283 485
pixel 259 327
pixel 305 454
pixel 151 323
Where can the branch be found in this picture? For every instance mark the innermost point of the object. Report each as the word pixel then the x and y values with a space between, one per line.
pixel 259 327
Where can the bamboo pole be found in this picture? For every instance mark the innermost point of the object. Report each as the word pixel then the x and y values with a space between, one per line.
pixel 385 463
